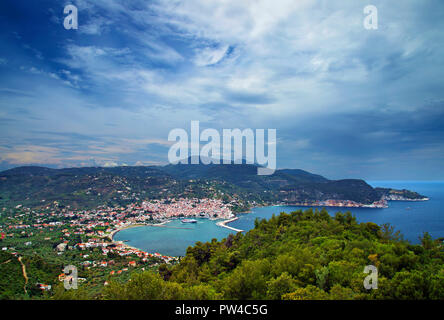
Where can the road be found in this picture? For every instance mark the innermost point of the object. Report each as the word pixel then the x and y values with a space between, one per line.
pixel 25 275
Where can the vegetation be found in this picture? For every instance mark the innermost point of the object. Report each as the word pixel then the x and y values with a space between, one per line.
pixel 12 280
pixel 35 250
pixel 297 256
pixel 14 285
pixel 84 188
pixel 302 255
pixel 403 194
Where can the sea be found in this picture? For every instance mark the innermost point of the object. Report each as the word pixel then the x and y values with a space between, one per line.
pixel 412 219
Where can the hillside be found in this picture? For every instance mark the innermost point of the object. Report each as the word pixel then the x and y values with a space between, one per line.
pixel 297 256
pixel 93 186
pixel 402 195
pixel 13 284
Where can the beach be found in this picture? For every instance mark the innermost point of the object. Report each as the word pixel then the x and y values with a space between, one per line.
pixel 114 232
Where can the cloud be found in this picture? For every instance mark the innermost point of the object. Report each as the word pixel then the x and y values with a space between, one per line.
pixel 339 96
pixel 30 155
pixel 110 164
pixel 209 56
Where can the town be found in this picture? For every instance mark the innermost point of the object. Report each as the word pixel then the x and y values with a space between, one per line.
pixel 84 238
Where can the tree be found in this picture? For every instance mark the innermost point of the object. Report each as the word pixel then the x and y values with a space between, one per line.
pixel 281 285
pixel 143 286
pixel 322 277
pixel 82 293
pixel 338 292
pixel 427 241
pixel 248 281
pixel 308 293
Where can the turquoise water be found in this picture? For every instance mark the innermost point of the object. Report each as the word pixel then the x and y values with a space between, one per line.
pixel 411 218
pixel 169 240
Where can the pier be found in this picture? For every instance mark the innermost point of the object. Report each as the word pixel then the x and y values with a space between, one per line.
pixel 224 224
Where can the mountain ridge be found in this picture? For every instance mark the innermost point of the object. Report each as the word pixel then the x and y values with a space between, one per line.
pixel 93 186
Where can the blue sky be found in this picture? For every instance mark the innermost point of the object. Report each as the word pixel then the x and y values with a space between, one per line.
pixel 346 102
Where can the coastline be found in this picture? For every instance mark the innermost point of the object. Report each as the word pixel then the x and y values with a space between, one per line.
pixel 381 204
pixel 225 223
pixel 124 244
pixel 114 232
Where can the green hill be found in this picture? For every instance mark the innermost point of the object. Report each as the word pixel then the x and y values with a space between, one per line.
pixel 302 255
pixel 89 187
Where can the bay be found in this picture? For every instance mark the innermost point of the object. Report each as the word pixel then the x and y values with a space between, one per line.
pixel 169 239
pixel 411 218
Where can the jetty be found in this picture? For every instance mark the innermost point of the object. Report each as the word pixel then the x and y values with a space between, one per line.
pixel 224 224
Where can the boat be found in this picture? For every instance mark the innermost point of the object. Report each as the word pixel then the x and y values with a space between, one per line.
pixel 188 221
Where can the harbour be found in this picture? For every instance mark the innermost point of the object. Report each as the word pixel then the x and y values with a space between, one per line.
pixel 411 218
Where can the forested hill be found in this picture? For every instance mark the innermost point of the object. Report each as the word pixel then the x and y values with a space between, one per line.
pixel 302 255
pixel 91 186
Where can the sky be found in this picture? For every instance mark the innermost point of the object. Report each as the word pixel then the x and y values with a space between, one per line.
pixel 346 102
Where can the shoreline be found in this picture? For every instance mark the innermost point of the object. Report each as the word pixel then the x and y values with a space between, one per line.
pixel 112 234
pixel 369 206
pixel 374 205
pixel 224 223
pixel 135 225
pixel 126 245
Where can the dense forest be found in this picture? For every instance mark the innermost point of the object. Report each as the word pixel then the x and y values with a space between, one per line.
pixel 302 255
